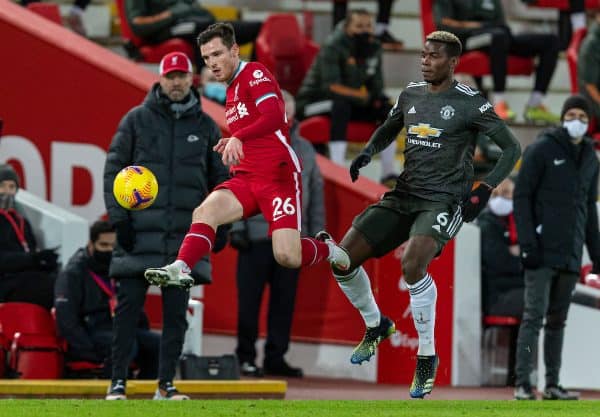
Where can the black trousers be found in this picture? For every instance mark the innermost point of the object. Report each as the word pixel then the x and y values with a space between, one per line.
pixel 503 44
pixel 257 268
pixel 548 295
pixel 131 294
pixel 343 111
pixel 144 353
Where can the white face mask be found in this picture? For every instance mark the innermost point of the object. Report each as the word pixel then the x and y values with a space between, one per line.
pixel 576 128
pixel 501 206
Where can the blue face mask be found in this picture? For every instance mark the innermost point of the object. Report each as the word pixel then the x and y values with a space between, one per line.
pixel 215 91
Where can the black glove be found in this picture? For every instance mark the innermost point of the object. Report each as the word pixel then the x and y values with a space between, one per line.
pixel 221 238
pixel 46 259
pixel 125 235
pixel 360 161
pixel 476 202
pixel 531 258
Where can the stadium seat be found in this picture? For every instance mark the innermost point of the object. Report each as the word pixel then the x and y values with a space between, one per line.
pixel 285 51
pixel 474 63
pixel 48 10
pixel 563 4
pixel 316 130
pixel 572 54
pixel 4 347
pixel 499 339
pixel 151 53
pixel 34 349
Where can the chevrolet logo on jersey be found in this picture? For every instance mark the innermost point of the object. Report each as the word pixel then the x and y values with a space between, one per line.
pixel 424 131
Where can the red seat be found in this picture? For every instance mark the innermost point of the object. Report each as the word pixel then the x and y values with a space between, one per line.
pixel 572 54
pixel 151 53
pixel 48 10
pixel 316 129
pixel 564 4
pixel 34 348
pixel 285 51
pixel 501 321
pixel 474 63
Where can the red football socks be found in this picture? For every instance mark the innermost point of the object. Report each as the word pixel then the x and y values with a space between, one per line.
pixel 313 251
pixel 197 243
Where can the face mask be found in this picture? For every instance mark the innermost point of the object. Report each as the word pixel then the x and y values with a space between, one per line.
pixel 100 261
pixel 501 206
pixel 7 201
pixel 576 128
pixel 215 91
pixel 362 44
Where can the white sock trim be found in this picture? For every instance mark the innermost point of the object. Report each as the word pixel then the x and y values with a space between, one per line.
pixel 423 296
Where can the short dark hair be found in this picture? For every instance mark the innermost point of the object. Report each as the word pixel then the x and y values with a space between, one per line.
pixel 450 40
pixel 221 30
pixel 99 227
pixel 353 12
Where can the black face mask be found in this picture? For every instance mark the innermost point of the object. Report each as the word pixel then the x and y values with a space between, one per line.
pixel 362 44
pixel 7 201
pixel 100 261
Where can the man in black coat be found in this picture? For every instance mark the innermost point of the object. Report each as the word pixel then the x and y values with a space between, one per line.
pixel 555 211
pixel 85 300
pixel 170 135
pixel 26 274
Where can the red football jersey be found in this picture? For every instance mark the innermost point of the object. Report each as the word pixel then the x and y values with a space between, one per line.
pixel 252 84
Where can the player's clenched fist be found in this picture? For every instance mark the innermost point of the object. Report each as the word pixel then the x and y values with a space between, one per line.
pixel 360 161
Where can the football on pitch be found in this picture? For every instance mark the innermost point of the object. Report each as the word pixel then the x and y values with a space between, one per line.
pixel 135 187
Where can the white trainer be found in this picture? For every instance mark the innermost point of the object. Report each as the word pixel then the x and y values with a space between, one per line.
pixel 170 275
pixel 338 257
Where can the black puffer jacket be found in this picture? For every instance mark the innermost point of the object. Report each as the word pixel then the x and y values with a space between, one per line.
pixel 555 200
pixel 179 152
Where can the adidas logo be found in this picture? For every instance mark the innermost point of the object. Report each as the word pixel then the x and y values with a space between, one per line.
pixel 412 110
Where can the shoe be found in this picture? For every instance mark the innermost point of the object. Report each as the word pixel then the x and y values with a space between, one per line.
pixel 116 390
pixel 373 337
pixel 167 391
pixel 556 392
pixel 338 257
pixel 250 369
pixel 76 24
pixel 524 392
pixel 169 275
pixel 283 369
pixel 504 112
pixel 540 115
pixel 389 42
pixel 424 378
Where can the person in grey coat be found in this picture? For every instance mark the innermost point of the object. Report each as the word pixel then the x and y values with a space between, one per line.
pixel 555 213
pixel 257 267
pixel 170 135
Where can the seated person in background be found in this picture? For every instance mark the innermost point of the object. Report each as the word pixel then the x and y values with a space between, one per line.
pixel 345 81
pixel 159 20
pixel 26 274
pixel 482 25
pixel 211 88
pixel 85 301
pixel 502 281
pixel 588 70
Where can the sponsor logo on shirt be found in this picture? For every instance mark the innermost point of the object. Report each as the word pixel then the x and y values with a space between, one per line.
pixel 485 107
pixel 425 131
pixel 254 83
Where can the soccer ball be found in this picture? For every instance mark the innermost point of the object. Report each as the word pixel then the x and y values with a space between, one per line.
pixel 135 187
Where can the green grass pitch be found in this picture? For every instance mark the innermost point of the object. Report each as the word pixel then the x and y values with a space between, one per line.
pixel 296 408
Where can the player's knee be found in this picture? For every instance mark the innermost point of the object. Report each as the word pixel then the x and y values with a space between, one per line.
pixel 287 259
pixel 412 270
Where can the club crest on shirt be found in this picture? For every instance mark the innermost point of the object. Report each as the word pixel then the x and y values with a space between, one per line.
pixel 447 112
pixel 257 74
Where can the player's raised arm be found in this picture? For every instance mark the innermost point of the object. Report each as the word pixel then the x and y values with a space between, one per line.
pixel 381 138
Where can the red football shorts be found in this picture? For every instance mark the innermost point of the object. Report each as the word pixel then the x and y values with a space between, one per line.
pixel 278 199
